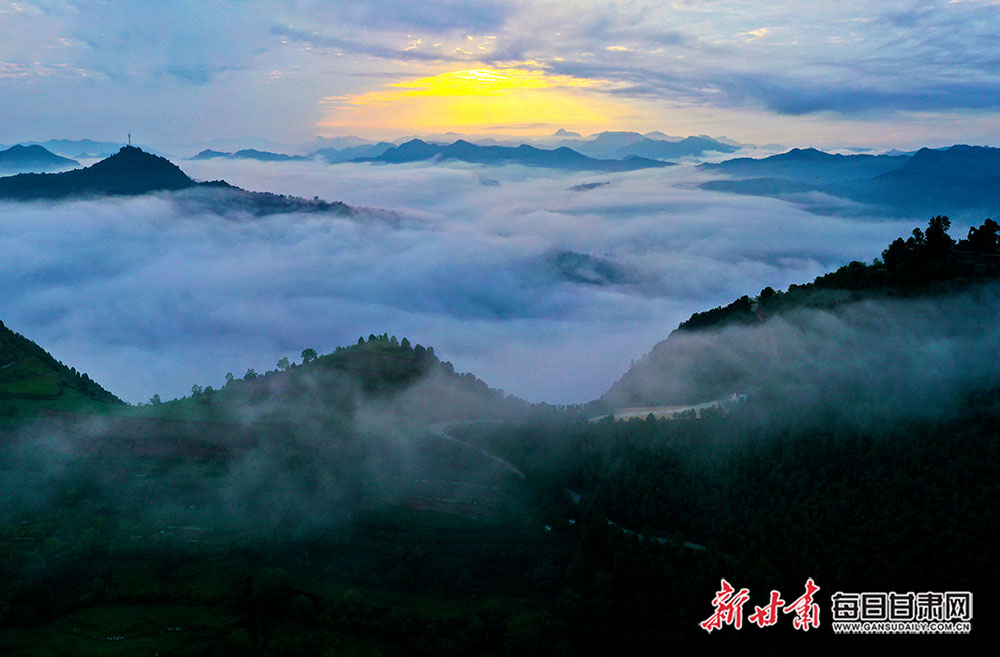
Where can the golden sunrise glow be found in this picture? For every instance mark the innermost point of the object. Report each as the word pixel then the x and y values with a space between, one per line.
pixel 522 100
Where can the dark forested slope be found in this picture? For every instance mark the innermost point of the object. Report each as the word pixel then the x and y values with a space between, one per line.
pixel 861 324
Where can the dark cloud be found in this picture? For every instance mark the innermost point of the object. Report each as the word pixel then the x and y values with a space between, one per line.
pixel 788 94
pixel 353 46
pixel 805 96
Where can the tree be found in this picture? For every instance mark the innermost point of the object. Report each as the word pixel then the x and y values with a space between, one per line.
pixel 196 390
pixel 155 399
pixel 284 364
pixel 250 375
pixel 986 238
pixel 309 355
pixel 229 378
pixel 939 243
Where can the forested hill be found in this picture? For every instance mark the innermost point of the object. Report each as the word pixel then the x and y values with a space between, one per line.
pixel 927 262
pixel 30 376
pixel 923 297
pixel 128 172
pixel 380 372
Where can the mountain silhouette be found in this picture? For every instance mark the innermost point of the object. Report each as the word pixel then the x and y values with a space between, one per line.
pixel 335 155
pixel 947 180
pixel 129 172
pixel 660 149
pixel 32 159
pixel 209 154
pixel 132 172
pixel 562 158
pixel 808 164
pixel 619 145
pixel 959 161
pixel 78 148
pixel 248 154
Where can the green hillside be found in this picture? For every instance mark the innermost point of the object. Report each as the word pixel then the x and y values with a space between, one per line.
pixel 31 378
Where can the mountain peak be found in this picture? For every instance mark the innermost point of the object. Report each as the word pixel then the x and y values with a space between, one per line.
pixel 134 166
pixel 208 154
pixel 960 161
pixel 804 154
pixel 129 171
pixel 32 158
pixel 30 148
pixel 525 154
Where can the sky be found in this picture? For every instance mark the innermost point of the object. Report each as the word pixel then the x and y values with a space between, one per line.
pixel 883 73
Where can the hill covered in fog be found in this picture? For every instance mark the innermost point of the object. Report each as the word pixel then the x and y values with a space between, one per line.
pixel 907 332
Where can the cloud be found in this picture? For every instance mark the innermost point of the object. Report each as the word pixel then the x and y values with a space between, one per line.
pixel 271 65
pixel 538 289
pixel 135 41
pixel 354 46
pixel 791 96
pixel 466 16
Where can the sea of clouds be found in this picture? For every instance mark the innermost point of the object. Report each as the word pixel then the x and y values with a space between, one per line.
pixel 539 289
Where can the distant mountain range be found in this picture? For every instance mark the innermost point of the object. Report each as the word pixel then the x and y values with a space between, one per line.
pixel 330 155
pixel 249 154
pixel 808 164
pixel 604 145
pixel 563 158
pixel 78 148
pixel 336 155
pixel 32 159
pixel 132 171
pixel 937 181
pixel 619 145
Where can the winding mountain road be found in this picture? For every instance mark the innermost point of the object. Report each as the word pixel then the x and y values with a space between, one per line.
pixel 440 430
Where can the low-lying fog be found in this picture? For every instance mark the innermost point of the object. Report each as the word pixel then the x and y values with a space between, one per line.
pixel 542 290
